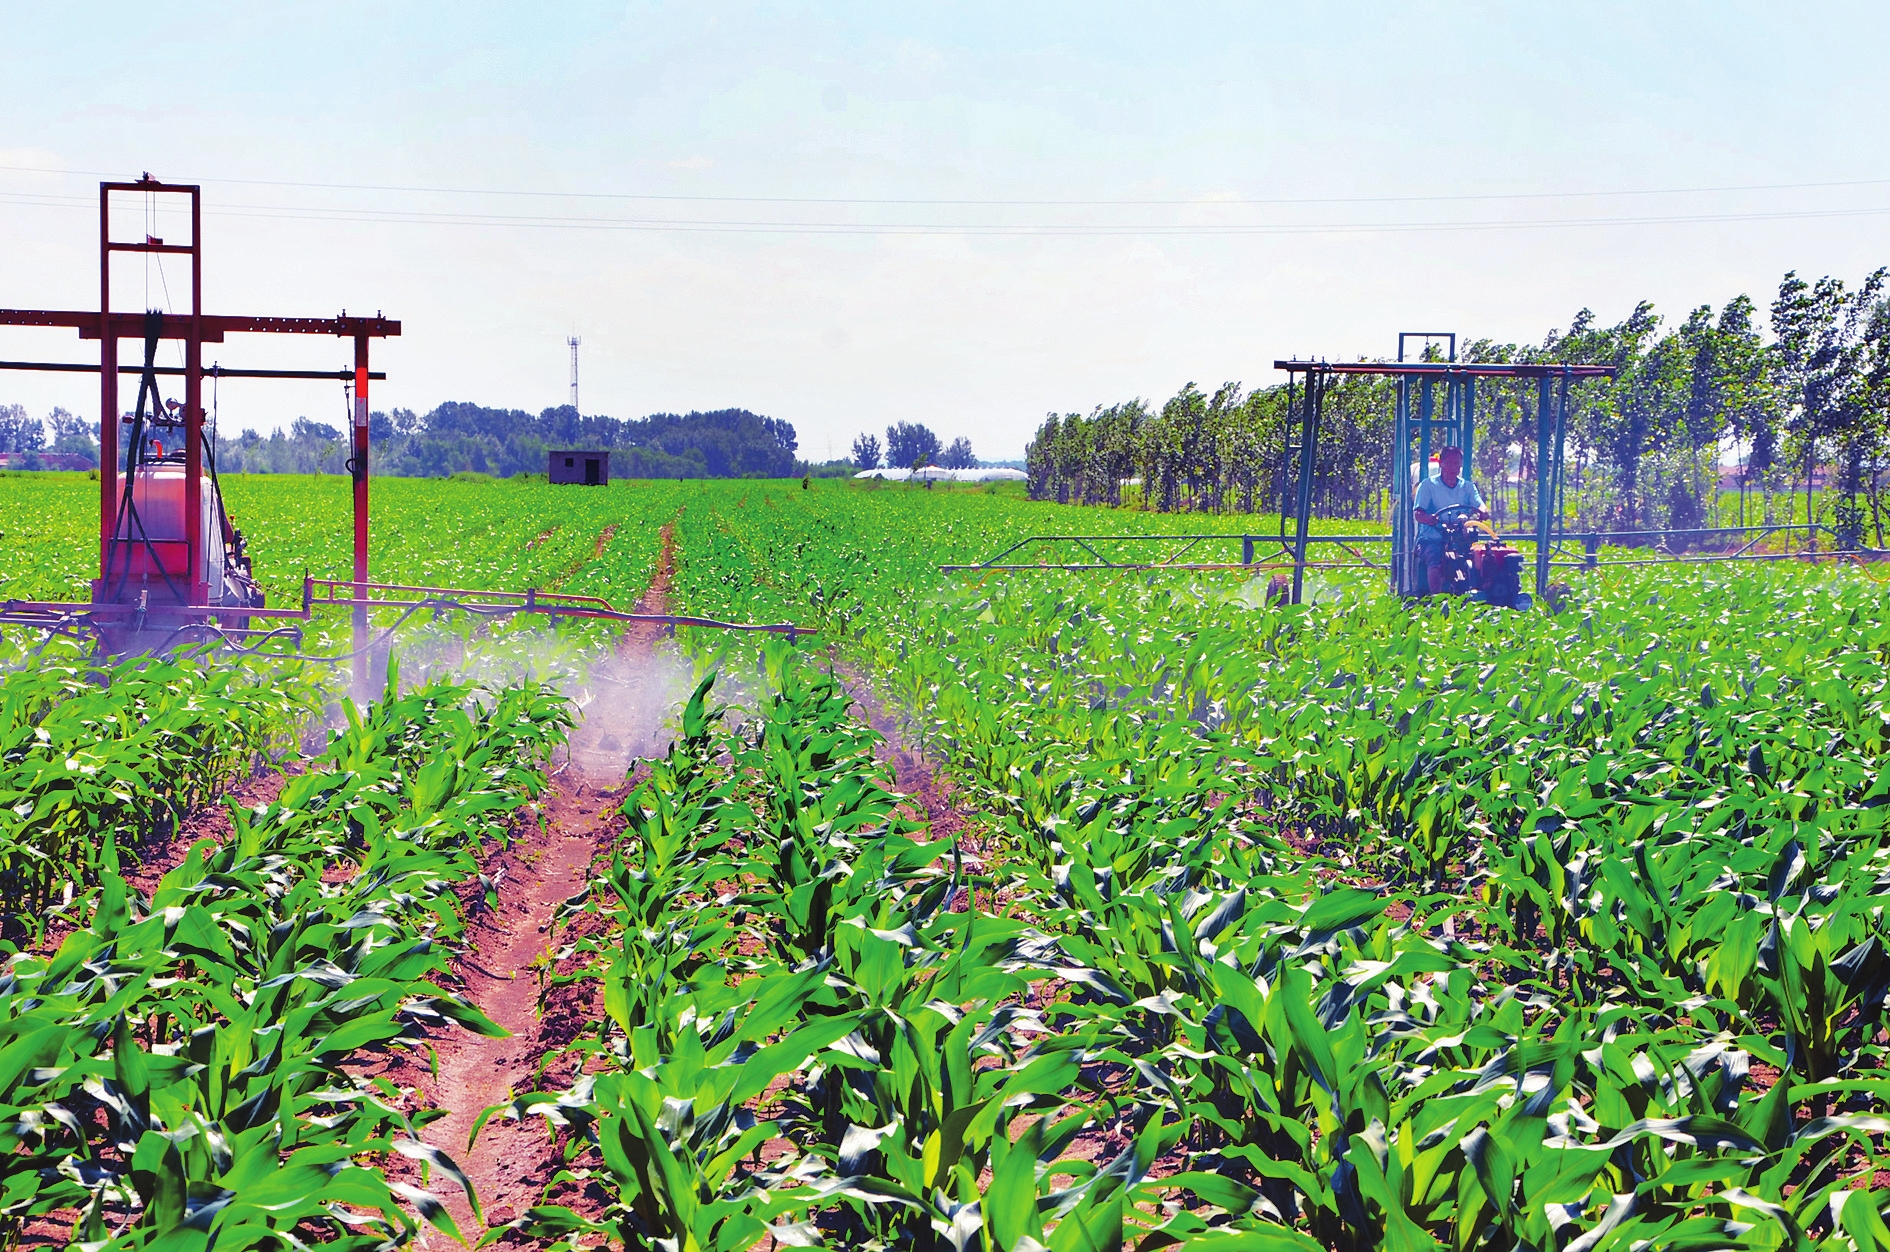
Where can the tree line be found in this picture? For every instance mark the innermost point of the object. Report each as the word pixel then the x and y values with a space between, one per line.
pixel 27 438
pixel 1702 417
pixel 911 445
pixel 459 437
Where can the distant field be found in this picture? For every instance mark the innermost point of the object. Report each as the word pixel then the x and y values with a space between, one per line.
pixel 1172 917
pixel 512 534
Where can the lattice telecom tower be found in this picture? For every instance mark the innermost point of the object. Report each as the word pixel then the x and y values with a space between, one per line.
pixel 574 341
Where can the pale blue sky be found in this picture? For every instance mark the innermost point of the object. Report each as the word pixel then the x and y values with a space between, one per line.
pixel 974 333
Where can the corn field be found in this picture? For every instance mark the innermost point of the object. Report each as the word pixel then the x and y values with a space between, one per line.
pixel 1209 923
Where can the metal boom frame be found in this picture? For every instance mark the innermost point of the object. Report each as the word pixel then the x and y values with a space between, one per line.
pixel 1417 419
pixel 1455 427
pixel 196 328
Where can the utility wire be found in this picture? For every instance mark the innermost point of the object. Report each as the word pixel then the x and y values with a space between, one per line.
pixel 714 226
pixel 879 200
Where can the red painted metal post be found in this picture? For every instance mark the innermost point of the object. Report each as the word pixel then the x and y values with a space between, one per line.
pixel 360 515
pixel 197 582
pixel 107 396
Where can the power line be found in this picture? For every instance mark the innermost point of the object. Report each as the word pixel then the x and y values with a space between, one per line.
pixel 1011 203
pixel 995 230
pixel 709 226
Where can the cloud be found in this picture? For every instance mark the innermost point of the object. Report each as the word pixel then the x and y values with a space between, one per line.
pixel 692 163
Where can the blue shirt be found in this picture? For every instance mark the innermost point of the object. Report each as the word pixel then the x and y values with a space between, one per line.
pixel 1433 497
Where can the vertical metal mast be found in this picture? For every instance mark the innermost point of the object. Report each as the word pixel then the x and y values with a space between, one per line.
pixel 1309 410
pixel 359 465
pixel 1550 419
pixel 574 341
pixel 190 328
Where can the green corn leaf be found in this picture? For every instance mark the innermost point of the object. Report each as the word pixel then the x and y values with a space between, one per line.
pixel 1216 1189
pixel 1010 1202
pixel 1342 909
pixel 1090 1228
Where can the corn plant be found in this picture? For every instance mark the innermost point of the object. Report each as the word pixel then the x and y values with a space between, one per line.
pixel 1628 991
pixel 98 759
pixel 177 1071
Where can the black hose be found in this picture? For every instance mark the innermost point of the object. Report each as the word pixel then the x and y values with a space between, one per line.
pixel 134 456
pixel 216 484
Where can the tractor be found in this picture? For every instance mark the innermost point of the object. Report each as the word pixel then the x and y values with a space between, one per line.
pixel 1477 563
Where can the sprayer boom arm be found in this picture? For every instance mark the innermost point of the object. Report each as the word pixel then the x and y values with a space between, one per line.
pixel 339 593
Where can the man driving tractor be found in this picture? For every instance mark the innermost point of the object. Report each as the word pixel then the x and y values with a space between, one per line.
pixel 1448 489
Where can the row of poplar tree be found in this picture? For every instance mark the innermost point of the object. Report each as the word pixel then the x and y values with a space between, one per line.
pixel 1702 419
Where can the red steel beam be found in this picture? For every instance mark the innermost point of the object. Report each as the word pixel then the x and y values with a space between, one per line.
pixel 108 388
pixel 78 611
pixel 177 371
pixel 215 326
pixel 153 245
pixel 536 597
pixel 376 327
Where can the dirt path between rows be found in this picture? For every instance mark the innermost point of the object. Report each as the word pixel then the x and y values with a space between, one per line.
pixel 629 700
pixel 629 696
pixel 513 1160
pixel 931 796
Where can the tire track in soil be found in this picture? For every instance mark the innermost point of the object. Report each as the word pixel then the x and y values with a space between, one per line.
pixel 915 774
pixel 513 947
